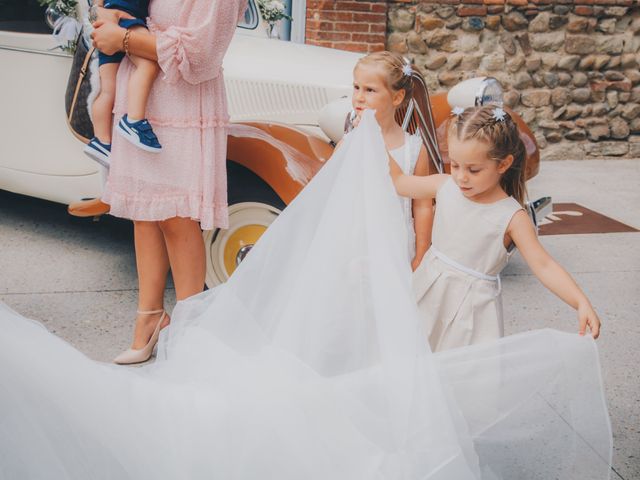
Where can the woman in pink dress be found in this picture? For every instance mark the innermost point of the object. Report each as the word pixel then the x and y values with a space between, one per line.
pixel 171 195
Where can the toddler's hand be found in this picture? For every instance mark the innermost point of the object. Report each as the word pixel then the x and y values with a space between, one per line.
pixel 588 316
pixel 107 37
pixel 109 15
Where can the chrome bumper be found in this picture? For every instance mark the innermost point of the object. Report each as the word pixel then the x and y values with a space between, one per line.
pixel 538 209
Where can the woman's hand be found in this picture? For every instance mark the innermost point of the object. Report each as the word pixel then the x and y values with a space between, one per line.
pixel 588 316
pixel 107 37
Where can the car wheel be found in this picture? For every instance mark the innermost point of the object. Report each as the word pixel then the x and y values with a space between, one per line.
pixel 253 206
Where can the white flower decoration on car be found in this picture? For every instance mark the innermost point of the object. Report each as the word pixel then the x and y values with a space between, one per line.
pixel 457 111
pixel 407 70
pixel 499 114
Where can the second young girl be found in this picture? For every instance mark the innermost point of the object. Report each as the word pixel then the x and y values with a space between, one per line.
pixel 383 82
pixel 479 216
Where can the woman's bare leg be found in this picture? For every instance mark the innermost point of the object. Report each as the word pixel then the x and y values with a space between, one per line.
pixel 103 104
pixel 152 263
pixel 185 247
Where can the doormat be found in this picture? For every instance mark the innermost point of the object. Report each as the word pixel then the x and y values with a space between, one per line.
pixel 571 218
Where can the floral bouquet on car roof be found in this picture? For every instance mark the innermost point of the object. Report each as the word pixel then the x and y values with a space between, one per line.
pixel 273 11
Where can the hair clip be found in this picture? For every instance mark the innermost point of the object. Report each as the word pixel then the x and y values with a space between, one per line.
pixel 457 111
pixel 407 70
pixel 499 114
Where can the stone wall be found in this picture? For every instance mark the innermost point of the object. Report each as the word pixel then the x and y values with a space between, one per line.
pixel 569 68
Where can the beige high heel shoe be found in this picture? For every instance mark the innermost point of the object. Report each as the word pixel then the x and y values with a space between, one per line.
pixel 131 355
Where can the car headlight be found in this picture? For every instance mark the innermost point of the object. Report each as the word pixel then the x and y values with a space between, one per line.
pixel 331 118
pixel 475 92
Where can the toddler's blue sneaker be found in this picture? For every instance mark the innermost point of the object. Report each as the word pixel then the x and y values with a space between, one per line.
pixel 98 151
pixel 140 134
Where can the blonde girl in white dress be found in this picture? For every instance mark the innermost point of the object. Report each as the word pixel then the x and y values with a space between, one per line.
pixel 383 81
pixel 478 217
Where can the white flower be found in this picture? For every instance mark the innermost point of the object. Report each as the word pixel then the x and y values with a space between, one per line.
pixel 457 111
pixel 407 70
pixel 273 10
pixel 499 114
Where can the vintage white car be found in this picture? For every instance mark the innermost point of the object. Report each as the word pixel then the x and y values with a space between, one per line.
pixel 279 93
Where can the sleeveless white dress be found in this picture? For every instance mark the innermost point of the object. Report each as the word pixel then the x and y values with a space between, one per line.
pixel 406 156
pixel 309 363
pixel 457 284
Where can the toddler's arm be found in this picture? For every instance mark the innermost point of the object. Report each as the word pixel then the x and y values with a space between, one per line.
pixel 550 273
pixel 414 186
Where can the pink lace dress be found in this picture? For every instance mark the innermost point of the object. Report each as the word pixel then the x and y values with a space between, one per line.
pixel 188 110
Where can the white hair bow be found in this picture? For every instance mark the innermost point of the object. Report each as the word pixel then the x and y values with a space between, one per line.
pixel 499 114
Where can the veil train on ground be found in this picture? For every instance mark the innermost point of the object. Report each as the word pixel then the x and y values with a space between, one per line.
pixel 310 362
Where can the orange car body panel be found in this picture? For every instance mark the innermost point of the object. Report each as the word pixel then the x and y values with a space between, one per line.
pixel 269 163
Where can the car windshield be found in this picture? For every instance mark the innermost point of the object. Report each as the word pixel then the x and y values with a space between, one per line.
pixel 251 18
pixel 25 16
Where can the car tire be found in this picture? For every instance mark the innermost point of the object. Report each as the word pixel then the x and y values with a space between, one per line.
pixel 253 206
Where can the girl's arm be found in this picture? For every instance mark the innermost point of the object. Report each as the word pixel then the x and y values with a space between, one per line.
pixel 413 186
pixel 550 273
pixel 422 212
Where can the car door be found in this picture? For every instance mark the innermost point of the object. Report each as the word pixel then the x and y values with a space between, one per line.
pixel 38 154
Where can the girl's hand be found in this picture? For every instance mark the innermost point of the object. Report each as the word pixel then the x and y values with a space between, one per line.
pixel 356 121
pixel 588 316
pixel 107 37
pixel 415 263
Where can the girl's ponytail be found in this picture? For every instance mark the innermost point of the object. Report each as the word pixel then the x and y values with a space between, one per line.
pixel 513 180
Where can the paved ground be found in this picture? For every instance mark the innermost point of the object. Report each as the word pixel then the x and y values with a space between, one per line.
pixel 78 277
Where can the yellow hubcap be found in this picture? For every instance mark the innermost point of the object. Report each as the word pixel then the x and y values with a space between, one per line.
pixel 245 236
pixel 225 249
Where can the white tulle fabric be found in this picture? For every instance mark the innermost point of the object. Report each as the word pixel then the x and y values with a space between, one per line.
pixel 309 363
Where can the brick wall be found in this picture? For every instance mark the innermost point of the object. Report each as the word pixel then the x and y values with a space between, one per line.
pixel 355 25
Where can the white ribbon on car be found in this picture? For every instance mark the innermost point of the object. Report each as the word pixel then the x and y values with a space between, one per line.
pixel 66 30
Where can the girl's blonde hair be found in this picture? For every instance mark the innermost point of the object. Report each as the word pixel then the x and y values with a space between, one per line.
pixel 393 65
pixel 400 75
pixel 503 138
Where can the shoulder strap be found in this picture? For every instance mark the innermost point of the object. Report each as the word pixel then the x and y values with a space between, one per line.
pixel 83 73
pixel 406 153
pixel 415 142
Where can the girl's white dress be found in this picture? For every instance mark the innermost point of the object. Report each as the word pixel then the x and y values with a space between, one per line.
pixel 309 363
pixel 457 285
pixel 406 156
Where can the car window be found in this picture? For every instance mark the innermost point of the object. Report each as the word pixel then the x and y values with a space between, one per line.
pixel 250 20
pixel 25 16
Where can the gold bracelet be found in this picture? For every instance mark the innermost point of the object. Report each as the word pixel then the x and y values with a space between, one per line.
pixel 125 42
